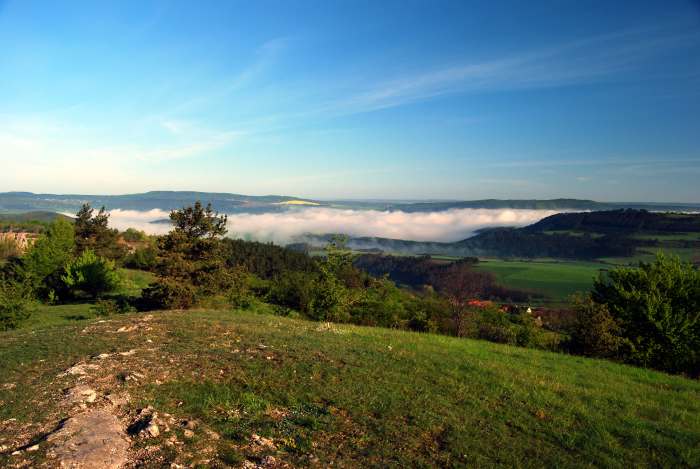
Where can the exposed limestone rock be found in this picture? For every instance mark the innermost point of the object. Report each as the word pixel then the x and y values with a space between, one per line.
pixel 81 393
pixel 92 440
pixel 80 369
pixel 153 430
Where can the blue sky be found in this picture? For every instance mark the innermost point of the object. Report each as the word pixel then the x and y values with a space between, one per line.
pixel 351 99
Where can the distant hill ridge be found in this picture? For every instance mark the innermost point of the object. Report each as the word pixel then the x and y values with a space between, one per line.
pixel 164 200
pixel 522 204
pixel 233 203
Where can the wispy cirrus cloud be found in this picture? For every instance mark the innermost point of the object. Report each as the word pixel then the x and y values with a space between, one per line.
pixel 196 148
pixel 265 57
pixel 610 162
pixel 587 60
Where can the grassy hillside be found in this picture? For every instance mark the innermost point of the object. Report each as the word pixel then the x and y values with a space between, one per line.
pixel 254 385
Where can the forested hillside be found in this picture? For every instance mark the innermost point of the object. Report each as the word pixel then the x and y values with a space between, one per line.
pixel 584 236
pixel 623 221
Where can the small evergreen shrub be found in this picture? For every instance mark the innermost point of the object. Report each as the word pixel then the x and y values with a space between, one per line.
pixel 112 306
pixel 14 306
pixel 169 294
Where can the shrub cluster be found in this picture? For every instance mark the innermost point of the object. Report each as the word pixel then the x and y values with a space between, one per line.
pixel 60 265
pixel 496 325
pixel 647 316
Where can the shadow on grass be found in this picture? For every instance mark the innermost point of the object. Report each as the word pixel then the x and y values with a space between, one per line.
pixel 76 317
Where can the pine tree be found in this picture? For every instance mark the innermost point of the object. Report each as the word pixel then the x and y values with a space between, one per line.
pixel 191 259
pixel 94 233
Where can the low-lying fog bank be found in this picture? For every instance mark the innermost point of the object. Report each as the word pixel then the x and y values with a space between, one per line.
pixel 285 227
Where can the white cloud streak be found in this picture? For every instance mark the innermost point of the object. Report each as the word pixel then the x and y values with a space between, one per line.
pixel 587 60
pixel 140 220
pixel 284 227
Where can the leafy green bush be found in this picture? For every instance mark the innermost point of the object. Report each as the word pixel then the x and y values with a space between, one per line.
pixel 331 300
pixel 134 235
pixel 658 308
pixel 241 299
pixel 321 297
pixel 333 295
pixel 382 303
pixel 46 260
pixel 13 305
pixel 495 325
pixel 91 275
pixel 420 321
pixel 240 294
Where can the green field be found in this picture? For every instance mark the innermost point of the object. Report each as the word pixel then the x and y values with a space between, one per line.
pixel 557 280
pixel 340 395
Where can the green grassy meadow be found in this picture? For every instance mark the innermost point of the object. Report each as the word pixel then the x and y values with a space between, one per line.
pixel 557 280
pixel 349 396
pixel 133 281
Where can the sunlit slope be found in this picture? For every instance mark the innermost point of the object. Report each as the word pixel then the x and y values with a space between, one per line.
pixel 360 396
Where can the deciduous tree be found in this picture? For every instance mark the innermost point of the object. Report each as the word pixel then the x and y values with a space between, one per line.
pixel 658 308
